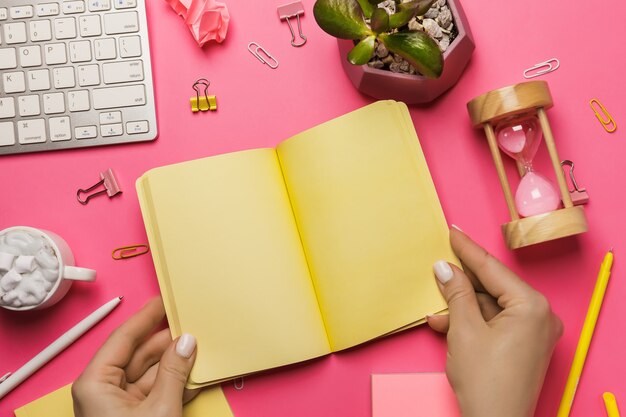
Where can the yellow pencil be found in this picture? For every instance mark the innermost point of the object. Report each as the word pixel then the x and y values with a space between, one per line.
pixel 585 335
pixel 611 404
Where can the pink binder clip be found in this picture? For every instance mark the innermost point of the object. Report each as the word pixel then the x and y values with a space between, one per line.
pixel 579 195
pixel 291 10
pixel 108 181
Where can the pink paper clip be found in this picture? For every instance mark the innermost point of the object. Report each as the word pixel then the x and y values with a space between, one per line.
pixel 291 10
pixel 108 181
pixel 579 195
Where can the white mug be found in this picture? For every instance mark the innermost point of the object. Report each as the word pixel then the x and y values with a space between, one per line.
pixel 68 272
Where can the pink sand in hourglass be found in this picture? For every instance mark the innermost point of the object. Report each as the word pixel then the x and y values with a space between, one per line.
pixel 536 195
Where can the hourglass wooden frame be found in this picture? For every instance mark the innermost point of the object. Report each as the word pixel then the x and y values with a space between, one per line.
pixel 521 100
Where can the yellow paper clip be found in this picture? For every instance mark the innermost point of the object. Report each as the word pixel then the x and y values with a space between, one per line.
pixel 611 404
pixel 131 251
pixel 608 123
pixel 202 101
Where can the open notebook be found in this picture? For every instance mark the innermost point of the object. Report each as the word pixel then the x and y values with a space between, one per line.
pixel 276 256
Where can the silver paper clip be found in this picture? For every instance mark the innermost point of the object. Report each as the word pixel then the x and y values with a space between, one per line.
pixel 291 10
pixel 542 68
pixel 273 63
pixel 238 385
pixel 579 195
pixel 108 180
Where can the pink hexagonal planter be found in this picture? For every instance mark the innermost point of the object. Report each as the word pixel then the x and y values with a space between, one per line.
pixel 414 89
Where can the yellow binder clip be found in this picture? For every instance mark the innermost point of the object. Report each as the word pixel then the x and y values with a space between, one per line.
pixel 603 116
pixel 202 101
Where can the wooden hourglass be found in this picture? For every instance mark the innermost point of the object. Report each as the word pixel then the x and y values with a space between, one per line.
pixel 514 119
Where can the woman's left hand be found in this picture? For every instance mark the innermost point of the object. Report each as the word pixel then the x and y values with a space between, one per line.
pixel 137 373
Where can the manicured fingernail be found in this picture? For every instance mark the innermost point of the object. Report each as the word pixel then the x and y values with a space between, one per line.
pixel 457 227
pixel 443 272
pixel 186 345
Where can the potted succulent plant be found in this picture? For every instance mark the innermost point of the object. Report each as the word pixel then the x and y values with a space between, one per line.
pixel 390 49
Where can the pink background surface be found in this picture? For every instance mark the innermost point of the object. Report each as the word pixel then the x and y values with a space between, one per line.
pixel 260 107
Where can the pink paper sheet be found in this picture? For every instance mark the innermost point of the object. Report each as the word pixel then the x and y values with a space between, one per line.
pixel 410 395
pixel 207 19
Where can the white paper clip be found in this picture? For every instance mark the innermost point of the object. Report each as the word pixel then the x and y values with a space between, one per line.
pixel 108 180
pixel 542 68
pixel 289 11
pixel 273 63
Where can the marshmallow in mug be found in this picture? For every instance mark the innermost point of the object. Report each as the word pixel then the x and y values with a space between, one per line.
pixel 29 268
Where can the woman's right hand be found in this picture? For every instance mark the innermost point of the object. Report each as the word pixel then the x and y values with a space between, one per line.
pixel 501 334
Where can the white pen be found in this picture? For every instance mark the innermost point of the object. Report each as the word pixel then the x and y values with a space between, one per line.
pixel 56 347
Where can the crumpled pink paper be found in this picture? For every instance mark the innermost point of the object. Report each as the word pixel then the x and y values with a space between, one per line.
pixel 207 19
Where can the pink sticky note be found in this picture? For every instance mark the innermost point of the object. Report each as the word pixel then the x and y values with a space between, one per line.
pixel 410 395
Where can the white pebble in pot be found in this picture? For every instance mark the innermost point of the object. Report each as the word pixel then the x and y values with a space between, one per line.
pixel 6 261
pixel 10 280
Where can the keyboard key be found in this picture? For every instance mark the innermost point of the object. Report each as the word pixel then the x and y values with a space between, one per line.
pixel 39 80
pixel 30 56
pixel 122 72
pixel 88 75
pixel 53 103
pixel 29 105
pixel 80 51
pixel 126 22
pixel 78 100
pixel 110 117
pixel 13 82
pixel 104 49
pixel 111 130
pixel 65 28
pixel 48 9
pixel 86 132
pixel 60 128
pixel 21 12
pixel 40 30
pixel 72 7
pixel 99 5
pixel 7 58
pixel 55 53
pixel 130 46
pixel 126 96
pixel 90 26
pixel 125 4
pixel 31 131
pixel 4 14
pixel 15 33
pixel 7 107
pixel 134 128
pixel 7 134
pixel 64 77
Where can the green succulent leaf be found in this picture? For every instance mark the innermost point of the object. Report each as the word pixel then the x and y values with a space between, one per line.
pixel 407 11
pixel 419 49
pixel 341 18
pixel 380 21
pixel 363 51
pixel 367 7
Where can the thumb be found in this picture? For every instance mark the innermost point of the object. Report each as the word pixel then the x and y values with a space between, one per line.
pixel 174 369
pixel 459 294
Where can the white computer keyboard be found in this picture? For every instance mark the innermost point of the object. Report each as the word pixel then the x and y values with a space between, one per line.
pixel 74 73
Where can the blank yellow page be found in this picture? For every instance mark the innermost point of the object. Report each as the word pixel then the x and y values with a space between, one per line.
pixel 231 265
pixel 370 221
